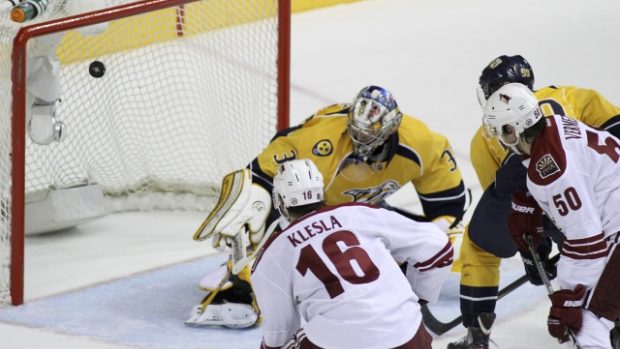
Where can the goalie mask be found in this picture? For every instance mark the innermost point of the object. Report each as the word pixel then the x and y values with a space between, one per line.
pixel 512 105
pixel 373 118
pixel 297 183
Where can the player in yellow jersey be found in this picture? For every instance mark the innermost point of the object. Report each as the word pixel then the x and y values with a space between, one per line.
pixel 365 151
pixel 500 172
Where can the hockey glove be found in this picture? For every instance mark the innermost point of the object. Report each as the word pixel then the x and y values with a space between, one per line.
pixel 450 226
pixel 566 312
pixel 543 250
pixel 525 218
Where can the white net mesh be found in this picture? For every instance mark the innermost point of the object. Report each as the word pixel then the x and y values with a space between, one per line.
pixel 188 94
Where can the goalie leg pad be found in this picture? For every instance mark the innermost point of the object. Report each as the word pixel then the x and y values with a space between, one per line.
pixel 233 307
pixel 212 280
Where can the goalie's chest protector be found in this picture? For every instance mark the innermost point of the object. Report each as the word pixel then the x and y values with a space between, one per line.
pixel 325 141
pixel 366 183
pixel 348 181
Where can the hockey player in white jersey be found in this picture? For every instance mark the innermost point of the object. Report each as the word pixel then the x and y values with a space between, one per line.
pixel 331 278
pixel 574 177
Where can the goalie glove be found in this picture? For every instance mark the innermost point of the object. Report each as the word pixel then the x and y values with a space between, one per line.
pixel 239 215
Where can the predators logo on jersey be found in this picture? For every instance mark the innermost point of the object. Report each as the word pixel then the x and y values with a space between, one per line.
pixel 373 195
pixel 323 148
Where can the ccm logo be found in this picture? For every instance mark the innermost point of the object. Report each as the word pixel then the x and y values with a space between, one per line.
pixel 522 209
pixel 572 304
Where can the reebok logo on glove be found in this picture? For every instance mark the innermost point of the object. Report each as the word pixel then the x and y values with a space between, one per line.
pixel 522 209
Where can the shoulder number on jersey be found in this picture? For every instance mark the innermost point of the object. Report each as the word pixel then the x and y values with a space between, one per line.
pixel 609 147
pixel 451 159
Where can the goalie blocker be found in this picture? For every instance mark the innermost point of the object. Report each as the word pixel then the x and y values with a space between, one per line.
pixel 236 224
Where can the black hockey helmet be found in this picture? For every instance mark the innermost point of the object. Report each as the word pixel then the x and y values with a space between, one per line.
pixel 505 69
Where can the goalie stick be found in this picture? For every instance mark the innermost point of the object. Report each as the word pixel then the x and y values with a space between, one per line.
pixel 438 327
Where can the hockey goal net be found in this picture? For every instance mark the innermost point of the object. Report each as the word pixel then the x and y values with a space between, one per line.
pixel 158 100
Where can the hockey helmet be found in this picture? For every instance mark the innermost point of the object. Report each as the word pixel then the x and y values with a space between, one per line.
pixel 297 183
pixel 502 70
pixel 513 105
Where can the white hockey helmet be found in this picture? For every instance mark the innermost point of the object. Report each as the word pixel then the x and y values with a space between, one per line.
pixel 297 183
pixel 373 118
pixel 512 105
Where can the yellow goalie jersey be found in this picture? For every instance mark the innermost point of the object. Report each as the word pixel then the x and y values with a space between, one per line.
pixel 585 105
pixel 415 154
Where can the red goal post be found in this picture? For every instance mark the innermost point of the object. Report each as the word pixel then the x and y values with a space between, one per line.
pixel 211 104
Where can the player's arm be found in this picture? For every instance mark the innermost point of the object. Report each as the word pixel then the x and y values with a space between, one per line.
pixel 492 211
pixel 424 247
pixel 594 109
pixel 272 289
pixel 440 188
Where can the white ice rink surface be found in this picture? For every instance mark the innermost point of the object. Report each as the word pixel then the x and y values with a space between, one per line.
pixel 429 53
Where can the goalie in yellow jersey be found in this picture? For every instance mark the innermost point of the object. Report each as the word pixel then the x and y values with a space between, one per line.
pixel 365 151
pixel 500 172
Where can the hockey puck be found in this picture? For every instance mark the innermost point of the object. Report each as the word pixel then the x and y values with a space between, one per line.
pixel 96 69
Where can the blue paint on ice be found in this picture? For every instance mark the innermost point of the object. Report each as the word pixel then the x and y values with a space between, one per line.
pixel 145 310
pixel 148 310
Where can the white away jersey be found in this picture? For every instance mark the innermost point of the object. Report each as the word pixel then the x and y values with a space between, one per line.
pixel 335 273
pixel 574 174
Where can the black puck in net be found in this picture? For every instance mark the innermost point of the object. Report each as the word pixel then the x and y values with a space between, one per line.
pixel 96 69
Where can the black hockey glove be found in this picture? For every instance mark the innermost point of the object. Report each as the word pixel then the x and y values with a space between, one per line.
pixel 543 249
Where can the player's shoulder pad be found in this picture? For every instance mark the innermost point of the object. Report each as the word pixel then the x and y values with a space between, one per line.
pixel 330 111
pixel 548 158
pixel 416 134
pixel 334 110
pixel 414 124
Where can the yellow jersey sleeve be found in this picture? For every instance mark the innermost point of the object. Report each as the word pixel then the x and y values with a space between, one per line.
pixel 439 182
pixel 585 105
pixel 440 171
pixel 487 155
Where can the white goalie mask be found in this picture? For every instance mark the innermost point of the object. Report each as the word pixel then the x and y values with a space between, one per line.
pixel 512 105
pixel 297 183
pixel 373 118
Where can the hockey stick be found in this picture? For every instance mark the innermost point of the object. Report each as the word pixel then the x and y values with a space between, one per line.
pixel 239 248
pixel 545 279
pixel 438 327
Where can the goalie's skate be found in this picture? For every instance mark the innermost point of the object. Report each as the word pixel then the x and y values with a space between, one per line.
pixel 231 315
pixel 229 303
